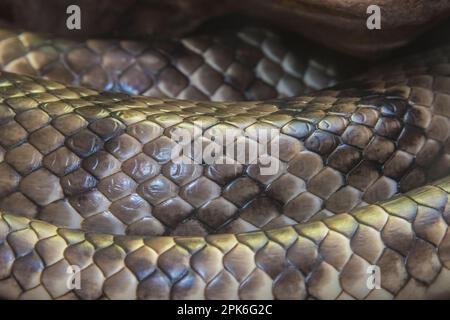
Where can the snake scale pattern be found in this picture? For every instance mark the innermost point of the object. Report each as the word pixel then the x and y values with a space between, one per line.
pixel 245 64
pixel 86 178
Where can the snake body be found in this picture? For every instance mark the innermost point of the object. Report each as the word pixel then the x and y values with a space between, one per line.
pixel 246 63
pixel 87 180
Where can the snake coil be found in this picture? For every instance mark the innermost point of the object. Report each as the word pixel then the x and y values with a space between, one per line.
pixel 87 181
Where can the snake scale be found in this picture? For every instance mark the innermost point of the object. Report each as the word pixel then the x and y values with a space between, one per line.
pixel 87 178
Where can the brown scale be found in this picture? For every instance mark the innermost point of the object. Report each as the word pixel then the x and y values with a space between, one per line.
pixel 239 64
pixel 86 179
pixel 103 163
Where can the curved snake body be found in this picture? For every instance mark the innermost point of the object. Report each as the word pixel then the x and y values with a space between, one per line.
pixel 246 63
pixel 87 181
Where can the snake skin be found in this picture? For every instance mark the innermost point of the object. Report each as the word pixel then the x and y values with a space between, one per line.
pixel 407 238
pixel 248 64
pixel 86 180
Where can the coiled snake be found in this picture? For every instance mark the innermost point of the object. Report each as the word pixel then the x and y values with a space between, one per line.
pixel 87 180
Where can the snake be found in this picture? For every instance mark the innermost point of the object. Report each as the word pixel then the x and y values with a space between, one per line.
pixel 90 189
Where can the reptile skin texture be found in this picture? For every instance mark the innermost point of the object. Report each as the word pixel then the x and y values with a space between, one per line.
pixel 87 180
pixel 247 64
